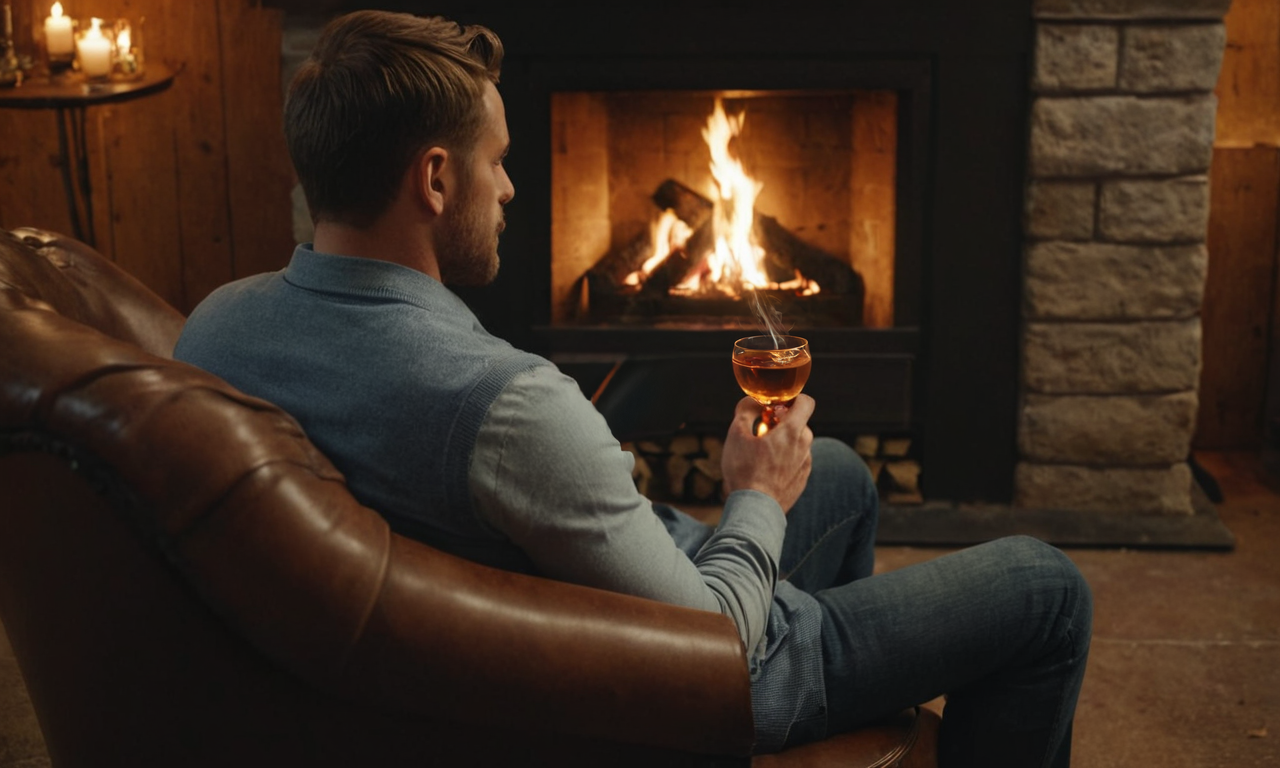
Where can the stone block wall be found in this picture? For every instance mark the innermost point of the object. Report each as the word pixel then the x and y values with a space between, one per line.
pixel 1116 218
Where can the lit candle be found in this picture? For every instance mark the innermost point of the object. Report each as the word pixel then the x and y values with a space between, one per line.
pixel 126 59
pixel 57 33
pixel 95 52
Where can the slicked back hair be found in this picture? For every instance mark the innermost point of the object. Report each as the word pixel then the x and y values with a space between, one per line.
pixel 378 89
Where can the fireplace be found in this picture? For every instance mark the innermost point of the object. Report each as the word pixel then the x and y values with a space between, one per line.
pixel 696 210
pixel 1018 311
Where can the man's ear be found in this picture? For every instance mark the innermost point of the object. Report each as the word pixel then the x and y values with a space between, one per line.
pixel 434 180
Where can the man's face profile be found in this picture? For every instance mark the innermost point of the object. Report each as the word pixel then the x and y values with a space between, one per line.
pixel 468 252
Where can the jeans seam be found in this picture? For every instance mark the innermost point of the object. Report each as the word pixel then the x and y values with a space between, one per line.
pixel 809 552
pixel 1057 714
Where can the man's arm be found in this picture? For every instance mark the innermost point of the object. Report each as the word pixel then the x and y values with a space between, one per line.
pixel 549 475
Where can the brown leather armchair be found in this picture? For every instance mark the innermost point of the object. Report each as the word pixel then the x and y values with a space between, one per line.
pixel 185 580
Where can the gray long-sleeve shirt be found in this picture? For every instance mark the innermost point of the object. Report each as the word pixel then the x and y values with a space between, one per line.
pixel 548 475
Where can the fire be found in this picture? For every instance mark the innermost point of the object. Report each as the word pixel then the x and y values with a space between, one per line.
pixel 667 234
pixel 736 258
pixel 736 261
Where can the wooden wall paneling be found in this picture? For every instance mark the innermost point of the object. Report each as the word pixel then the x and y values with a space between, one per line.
pixel 160 164
pixel 31 192
pixel 1244 192
pixel 143 234
pixel 98 207
pixel 1245 182
pixel 260 176
pixel 142 147
pixel 1249 85
pixel 1271 405
pixel 185 35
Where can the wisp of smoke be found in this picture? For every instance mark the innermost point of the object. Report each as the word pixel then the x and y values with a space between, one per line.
pixel 768 314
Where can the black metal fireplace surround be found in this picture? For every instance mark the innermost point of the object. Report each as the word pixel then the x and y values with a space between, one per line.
pixel 946 373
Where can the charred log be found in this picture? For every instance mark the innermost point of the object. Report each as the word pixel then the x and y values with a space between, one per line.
pixel 680 263
pixel 608 276
pixel 611 297
pixel 691 208
pixel 785 253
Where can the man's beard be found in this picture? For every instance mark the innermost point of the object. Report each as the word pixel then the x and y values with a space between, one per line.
pixel 468 246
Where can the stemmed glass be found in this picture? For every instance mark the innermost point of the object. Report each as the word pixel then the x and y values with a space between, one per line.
pixel 772 370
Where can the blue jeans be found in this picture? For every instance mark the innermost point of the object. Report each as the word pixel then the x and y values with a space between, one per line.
pixel 1002 629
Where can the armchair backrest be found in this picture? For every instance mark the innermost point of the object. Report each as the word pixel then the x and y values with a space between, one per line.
pixel 186 580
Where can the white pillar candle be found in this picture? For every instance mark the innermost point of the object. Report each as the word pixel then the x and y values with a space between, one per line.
pixel 57 32
pixel 95 52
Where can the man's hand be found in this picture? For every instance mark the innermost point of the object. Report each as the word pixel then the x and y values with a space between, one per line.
pixel 776 463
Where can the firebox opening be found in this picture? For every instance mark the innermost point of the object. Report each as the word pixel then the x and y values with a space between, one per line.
pixel 678 208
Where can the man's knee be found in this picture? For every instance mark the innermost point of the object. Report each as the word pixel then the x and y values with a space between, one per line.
pixel 834 461
pixel 1055 578
pixel 835 464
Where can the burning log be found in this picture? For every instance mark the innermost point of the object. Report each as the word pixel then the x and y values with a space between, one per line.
pixel 692 208
pixel 786 253
pixel 619 284
pixel 609 274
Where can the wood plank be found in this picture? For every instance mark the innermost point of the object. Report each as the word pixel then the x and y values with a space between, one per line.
pixel 1245 196
pixel 1271 405
pixel 143 146
pixel 1249 83
pixel 31 193
pixel 143 234
pixel 188 33
pixel 259 175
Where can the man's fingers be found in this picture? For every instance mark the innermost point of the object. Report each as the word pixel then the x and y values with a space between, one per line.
pixel 802 408
pixel 745 414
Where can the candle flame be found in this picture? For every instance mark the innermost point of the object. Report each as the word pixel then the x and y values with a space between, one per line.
pixel 56 10
pixel 123 42
pixel 95 30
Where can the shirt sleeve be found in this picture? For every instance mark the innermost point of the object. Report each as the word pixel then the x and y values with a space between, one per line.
pixel 548 474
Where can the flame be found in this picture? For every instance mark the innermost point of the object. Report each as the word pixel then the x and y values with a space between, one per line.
pixel 56 10
pixel 95 31
pixel 123 41
pixel 666 234
pixel 736 259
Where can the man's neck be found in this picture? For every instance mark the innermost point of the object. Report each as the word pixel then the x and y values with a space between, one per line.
pixel 383 241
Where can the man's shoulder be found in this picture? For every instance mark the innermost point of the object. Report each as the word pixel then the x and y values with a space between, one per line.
pixel 235 291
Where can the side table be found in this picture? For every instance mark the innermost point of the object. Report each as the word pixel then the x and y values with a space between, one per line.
pixel 71 99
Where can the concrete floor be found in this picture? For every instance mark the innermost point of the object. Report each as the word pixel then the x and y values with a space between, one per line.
pixel 1185 666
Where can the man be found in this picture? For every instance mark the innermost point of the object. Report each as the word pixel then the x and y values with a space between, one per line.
pixel 398 134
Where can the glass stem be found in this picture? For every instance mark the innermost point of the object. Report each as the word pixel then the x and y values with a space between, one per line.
pixel 769 416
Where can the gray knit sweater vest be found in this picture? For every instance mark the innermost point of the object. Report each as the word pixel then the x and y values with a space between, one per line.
pixel 389 373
